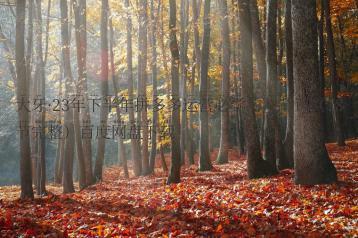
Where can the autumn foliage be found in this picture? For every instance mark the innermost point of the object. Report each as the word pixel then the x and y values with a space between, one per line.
pixel 219 203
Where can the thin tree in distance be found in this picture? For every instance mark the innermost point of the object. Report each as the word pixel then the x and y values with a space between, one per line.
pixel 174 174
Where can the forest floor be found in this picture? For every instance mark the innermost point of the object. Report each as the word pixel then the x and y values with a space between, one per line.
pixel 220 203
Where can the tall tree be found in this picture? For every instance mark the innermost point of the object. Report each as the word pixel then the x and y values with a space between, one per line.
pixel 23 94
pixel 40 77
pixel 337 111
pixel 256 166
pixel 174 174
pixel 321 56
pixel 67 179
pixel 135 150
pixel 79 92
pixel 142 81
pixel 288 142
pixel 270 153
pixel 225 88
pixel 184 35
pixel 153 31
pixel 104 92
pixel 80 10
pixel 204 155
pixel 312 164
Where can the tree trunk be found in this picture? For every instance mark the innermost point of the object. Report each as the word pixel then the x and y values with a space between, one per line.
pixel 191 141
pixel 336 108
pixel 69 143
pixel 40 76
pixel 225 90
pixel 81 43
pixel 204 154
pixel 184 35
pixel 174 174
pixel 142 80
pixel 312 164
pixel 256 166
pixel 23 114
pixel 153 32
pixel 135 150
pixel 240 139
pixel 121 147
pixel 79 92
pixel 288 142
pixel 98 170
pixel 270 153
pixel 321 68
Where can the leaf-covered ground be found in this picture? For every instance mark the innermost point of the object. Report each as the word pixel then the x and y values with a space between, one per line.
pixel 220 203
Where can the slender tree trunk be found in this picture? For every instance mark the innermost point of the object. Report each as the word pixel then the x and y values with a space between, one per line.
pixel 121 147
pixel 336 108
pixel 153 32
pixel 204 154
pixel 135 150
pixel 347 100
pixel 31 82
pixel 288 142
pixel 312 164
pixel 225 90
pixel 67 181
pixel 270 153
pixel 196 12
pixel 321 68
pixel 40 76
pixel 79 92
pixel 98 170
pixel 256 166
pixel 238 80
pixel 191 141
pixel 22 92
pixel 259 51
pixel 184 35
pixel 81 43
pixel 142 80
pixel 174 174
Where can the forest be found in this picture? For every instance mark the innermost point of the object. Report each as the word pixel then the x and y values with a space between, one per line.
pixel 178 118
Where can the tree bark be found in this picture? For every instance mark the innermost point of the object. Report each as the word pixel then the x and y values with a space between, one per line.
pixel 312 164
pixel 22 92
pixel 153 32
pixel 142 80
pixel 81 43
pixel 204 154
pixel 270 153
pixel 256 166
pixel 98 170
pixel 67 180
pixel 135 150
pixel 321 68
pixel 184 35
pixel 79 92
pixel 174 174
pixel 225 87
pixel 40 76
pixel 288 141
